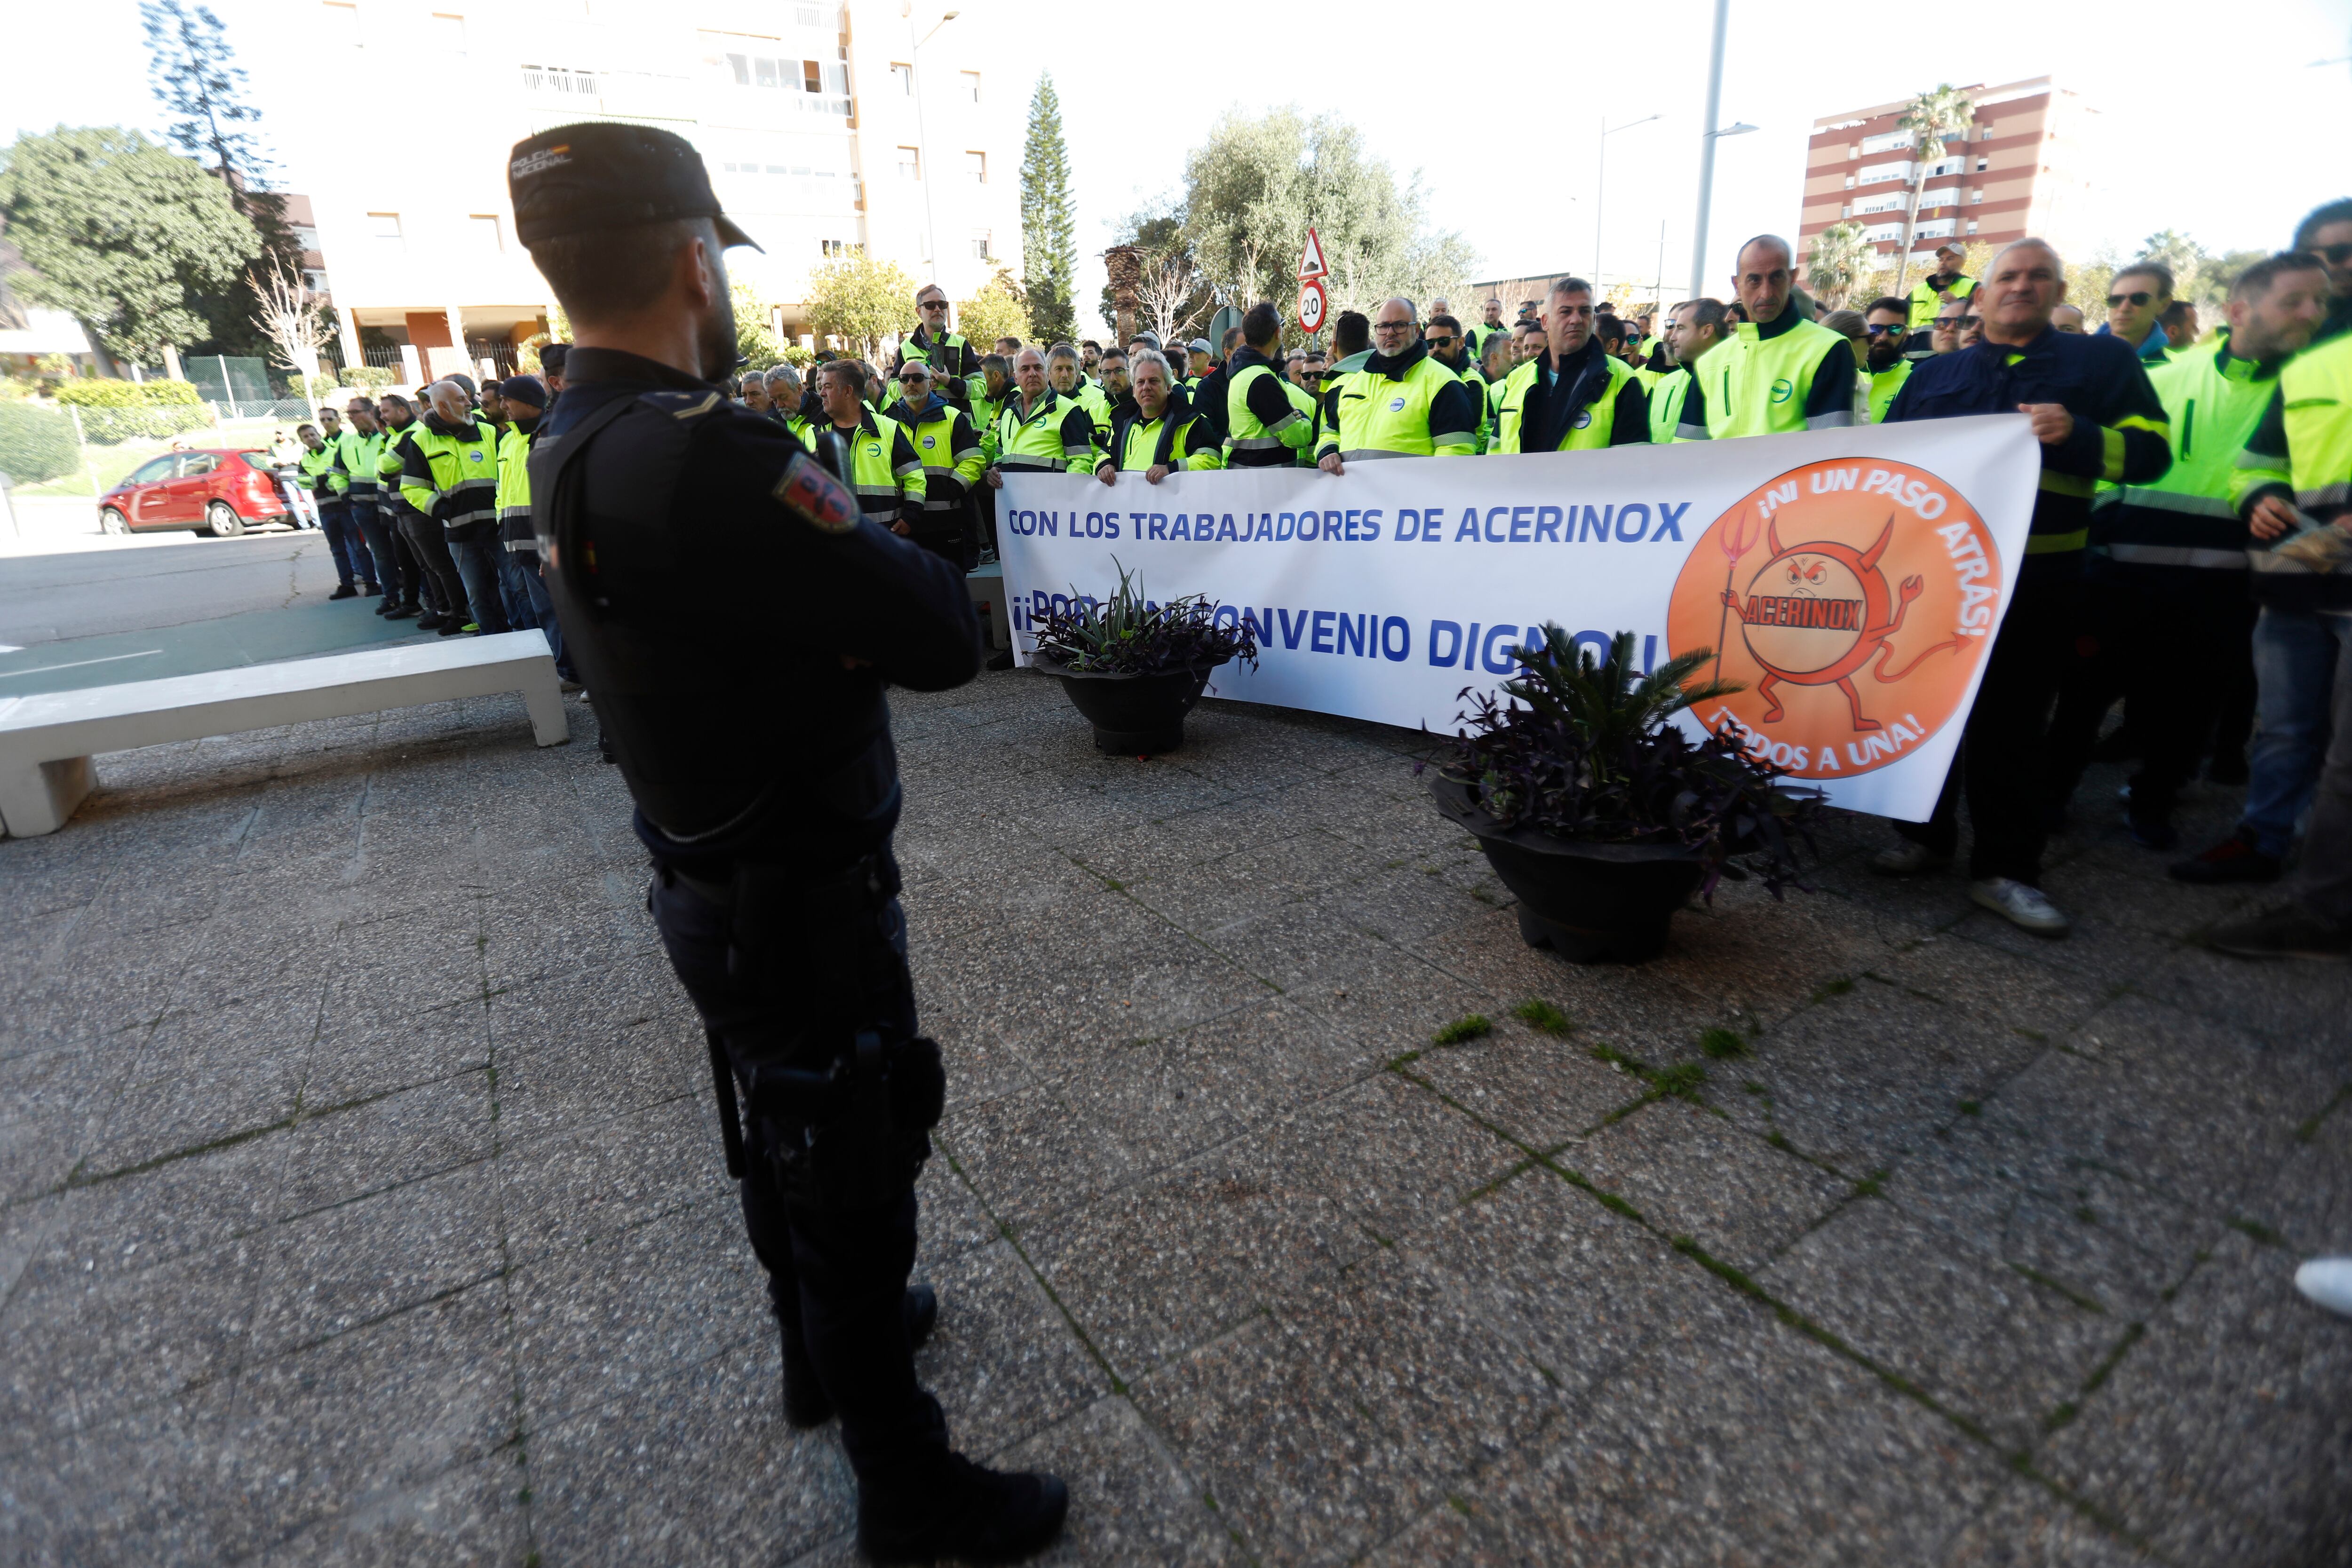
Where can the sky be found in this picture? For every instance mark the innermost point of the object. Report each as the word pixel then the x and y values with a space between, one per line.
pixel 1500 113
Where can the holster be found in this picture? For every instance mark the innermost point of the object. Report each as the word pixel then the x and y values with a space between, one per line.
pixel 840 1096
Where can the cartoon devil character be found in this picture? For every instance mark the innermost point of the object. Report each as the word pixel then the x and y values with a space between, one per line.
pixel 1797 576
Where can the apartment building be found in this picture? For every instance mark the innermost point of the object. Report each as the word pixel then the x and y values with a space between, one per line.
pixel 2023 168
pixel 828 127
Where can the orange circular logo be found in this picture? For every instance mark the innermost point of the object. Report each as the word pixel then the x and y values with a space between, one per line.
pixel 1852 601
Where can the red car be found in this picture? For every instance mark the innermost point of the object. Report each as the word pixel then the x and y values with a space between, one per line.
pixel 214 490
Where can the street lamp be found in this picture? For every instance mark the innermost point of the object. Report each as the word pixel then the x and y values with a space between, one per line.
pixel 926 166
pixel 1599 184
pixel 1707 147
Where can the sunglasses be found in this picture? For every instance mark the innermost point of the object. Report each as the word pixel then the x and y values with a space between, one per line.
pixel 1957 323
pixel 2137 297
pixel 933 305
pixel 1881 330
pixel 2335 255
pixel 1443 342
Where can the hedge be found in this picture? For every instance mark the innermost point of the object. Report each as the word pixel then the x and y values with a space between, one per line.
pixel 36 444
pixel 97 391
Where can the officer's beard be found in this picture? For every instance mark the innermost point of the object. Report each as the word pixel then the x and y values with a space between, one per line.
pixel 1884 351
pixel 720 353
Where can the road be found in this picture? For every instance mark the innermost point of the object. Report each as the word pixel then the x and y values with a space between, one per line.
pixel 150 607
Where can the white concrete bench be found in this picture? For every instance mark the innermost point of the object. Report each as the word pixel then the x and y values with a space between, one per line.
pixel 47 740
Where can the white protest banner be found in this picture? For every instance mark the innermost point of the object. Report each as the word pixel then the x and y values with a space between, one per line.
pixel 1851 580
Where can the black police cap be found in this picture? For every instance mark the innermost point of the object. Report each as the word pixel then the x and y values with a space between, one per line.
pixel 577 178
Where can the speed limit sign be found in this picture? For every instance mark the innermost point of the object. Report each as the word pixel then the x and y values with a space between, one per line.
pixel 1312 304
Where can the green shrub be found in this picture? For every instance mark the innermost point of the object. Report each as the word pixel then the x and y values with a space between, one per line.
pixel 1462 1030
pixel 371 379
pixel 101 391
pixel 1537 1013
pixel 36 444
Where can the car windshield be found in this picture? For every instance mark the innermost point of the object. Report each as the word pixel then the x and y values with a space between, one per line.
pixel 256 460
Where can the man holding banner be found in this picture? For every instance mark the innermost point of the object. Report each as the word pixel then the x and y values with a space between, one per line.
pixel 2095 417
pixel 1402 404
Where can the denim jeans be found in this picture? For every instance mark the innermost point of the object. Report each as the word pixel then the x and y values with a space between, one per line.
pixel 542 609
pixel 2297 657
pixel 478 565
pixel 343 542
pixel 513 597
pixel 389 572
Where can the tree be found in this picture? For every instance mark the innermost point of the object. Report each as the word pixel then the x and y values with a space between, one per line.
pixel 191 71
pixel 1171 288
pixel 1255 186
pixel 288 315
pixel 1842 264
pixel 1048 249
pixel 860 301
pixel 755 331
pixel 122 234
pixel 1929 117
pixel 998 310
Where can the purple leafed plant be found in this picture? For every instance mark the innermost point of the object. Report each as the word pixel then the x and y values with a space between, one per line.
pixel 1582 750
pixel 1127 634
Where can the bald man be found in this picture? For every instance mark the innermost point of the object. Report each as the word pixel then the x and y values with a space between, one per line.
pixel 1778 370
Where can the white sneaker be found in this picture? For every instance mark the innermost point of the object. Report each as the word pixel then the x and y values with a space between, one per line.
pixel 2328 1281
pixel 2021 905
pixel 1907 859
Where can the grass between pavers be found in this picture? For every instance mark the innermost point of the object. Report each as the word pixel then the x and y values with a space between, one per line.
pixel 2020 1460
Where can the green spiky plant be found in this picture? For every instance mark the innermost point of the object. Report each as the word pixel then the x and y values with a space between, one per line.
pixel 1585 748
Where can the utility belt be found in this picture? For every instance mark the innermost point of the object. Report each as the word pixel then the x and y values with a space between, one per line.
pixel 845 1120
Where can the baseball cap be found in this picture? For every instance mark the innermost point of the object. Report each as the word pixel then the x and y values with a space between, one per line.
pixel 598 175
pixel 1200 346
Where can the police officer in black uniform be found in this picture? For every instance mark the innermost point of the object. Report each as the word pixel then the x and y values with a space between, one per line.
pixel 668 519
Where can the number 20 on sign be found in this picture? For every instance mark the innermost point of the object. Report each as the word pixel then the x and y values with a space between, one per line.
pixel 1312 305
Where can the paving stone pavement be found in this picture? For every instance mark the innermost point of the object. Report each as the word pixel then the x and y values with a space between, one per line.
pixel 360 1198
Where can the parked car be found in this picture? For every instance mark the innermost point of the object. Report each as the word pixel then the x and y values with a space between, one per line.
pixel 219 491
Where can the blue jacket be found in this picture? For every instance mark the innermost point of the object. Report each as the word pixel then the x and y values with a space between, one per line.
pixel 2120 433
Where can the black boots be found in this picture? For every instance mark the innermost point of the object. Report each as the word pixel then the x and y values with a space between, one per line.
pixel 344 591
pixel 805 1404
pixel 971 1513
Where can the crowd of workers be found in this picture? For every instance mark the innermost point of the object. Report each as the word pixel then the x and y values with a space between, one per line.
pixel 2182 542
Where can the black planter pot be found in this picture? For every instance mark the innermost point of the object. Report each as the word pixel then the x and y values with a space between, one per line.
pixel 1133 715
pixel 1586 902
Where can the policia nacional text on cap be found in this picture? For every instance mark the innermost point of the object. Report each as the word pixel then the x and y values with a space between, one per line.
pixel 671 522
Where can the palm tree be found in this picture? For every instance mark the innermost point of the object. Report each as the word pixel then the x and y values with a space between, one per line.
pixel 1929 117
pixel 1841 258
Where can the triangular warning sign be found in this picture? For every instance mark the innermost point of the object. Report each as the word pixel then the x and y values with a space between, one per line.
pixel 1310 260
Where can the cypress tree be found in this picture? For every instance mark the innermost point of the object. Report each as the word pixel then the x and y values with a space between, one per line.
pixel 1048 248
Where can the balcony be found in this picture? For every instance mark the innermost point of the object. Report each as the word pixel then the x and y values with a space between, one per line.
pixel 546 81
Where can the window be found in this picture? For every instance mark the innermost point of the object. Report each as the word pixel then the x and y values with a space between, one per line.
pixel 812 77
pixel 384 229
pixel 559 78
pixel 483 229
pixel 836 247
pixel 1972 225
pixel 976 166
pixel 1881 232
pixel 902 77
pixel 1975 196
pixel 911 164
pixel 157 469
pixel 980 251
pixel 1887 142
pixel 314 280
pixel 1872 173
pixel 808 16
pixel 194 462
pixel 1983 164
pixel 343 24
pixel 448 32
pixel 1849 181
pixel 972 86
pixel 306 237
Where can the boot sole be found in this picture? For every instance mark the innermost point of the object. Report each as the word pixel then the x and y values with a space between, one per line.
pixel 1029 1543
